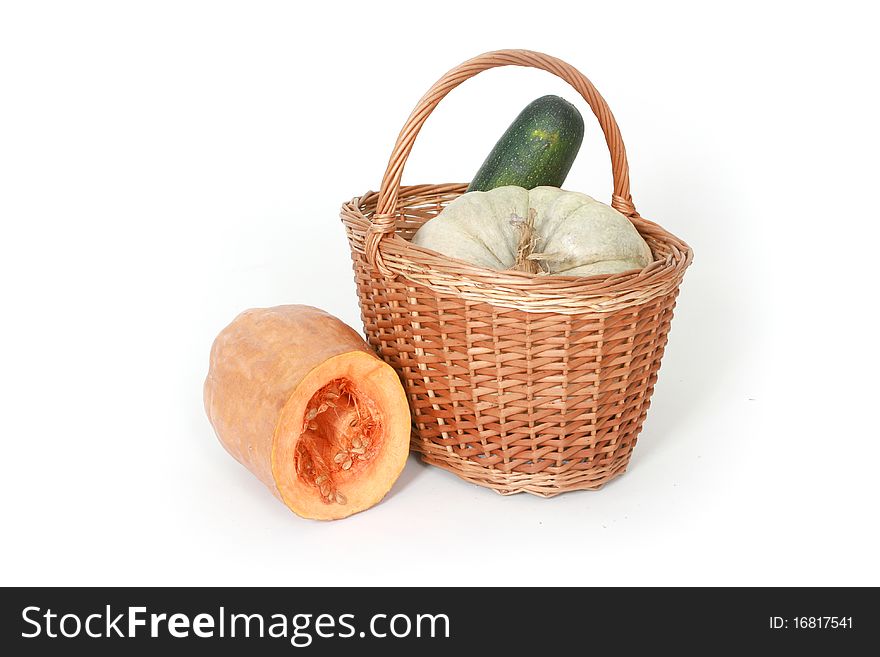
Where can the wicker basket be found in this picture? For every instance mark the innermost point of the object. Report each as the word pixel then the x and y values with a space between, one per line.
pixel 517 382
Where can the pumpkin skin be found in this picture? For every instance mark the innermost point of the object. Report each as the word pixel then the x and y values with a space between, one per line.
pixel 290 389
pixel 575 235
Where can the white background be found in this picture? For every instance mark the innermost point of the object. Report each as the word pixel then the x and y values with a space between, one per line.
pixel 165 165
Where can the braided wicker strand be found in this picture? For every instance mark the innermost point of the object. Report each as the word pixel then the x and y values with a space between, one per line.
pixel 516 382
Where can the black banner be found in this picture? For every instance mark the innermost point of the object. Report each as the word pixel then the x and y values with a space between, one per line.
pixel 432 621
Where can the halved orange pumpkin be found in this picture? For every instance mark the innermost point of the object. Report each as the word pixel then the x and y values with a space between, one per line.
pixel 302 401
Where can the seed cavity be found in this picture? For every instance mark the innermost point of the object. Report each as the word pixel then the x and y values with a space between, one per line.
pixel 339 433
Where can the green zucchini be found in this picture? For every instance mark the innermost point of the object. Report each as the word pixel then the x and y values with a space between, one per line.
pixel 537 149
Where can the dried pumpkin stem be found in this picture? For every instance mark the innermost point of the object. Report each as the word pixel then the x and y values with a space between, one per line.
pixel 527 259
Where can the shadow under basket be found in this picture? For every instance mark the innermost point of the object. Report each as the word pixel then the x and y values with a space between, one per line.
pixel 517 382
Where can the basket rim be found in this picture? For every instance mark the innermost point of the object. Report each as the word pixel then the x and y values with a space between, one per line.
pixel 514 289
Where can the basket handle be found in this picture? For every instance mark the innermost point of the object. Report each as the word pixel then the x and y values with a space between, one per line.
pixel 383 221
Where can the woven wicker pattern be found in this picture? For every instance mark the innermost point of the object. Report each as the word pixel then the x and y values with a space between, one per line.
pixel 517 382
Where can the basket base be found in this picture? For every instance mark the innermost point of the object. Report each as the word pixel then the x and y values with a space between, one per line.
pixel 511 483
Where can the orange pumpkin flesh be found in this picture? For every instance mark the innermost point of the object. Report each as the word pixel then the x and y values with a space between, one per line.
pixel 299 398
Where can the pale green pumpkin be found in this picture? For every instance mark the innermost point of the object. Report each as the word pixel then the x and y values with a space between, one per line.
pixel 545 229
